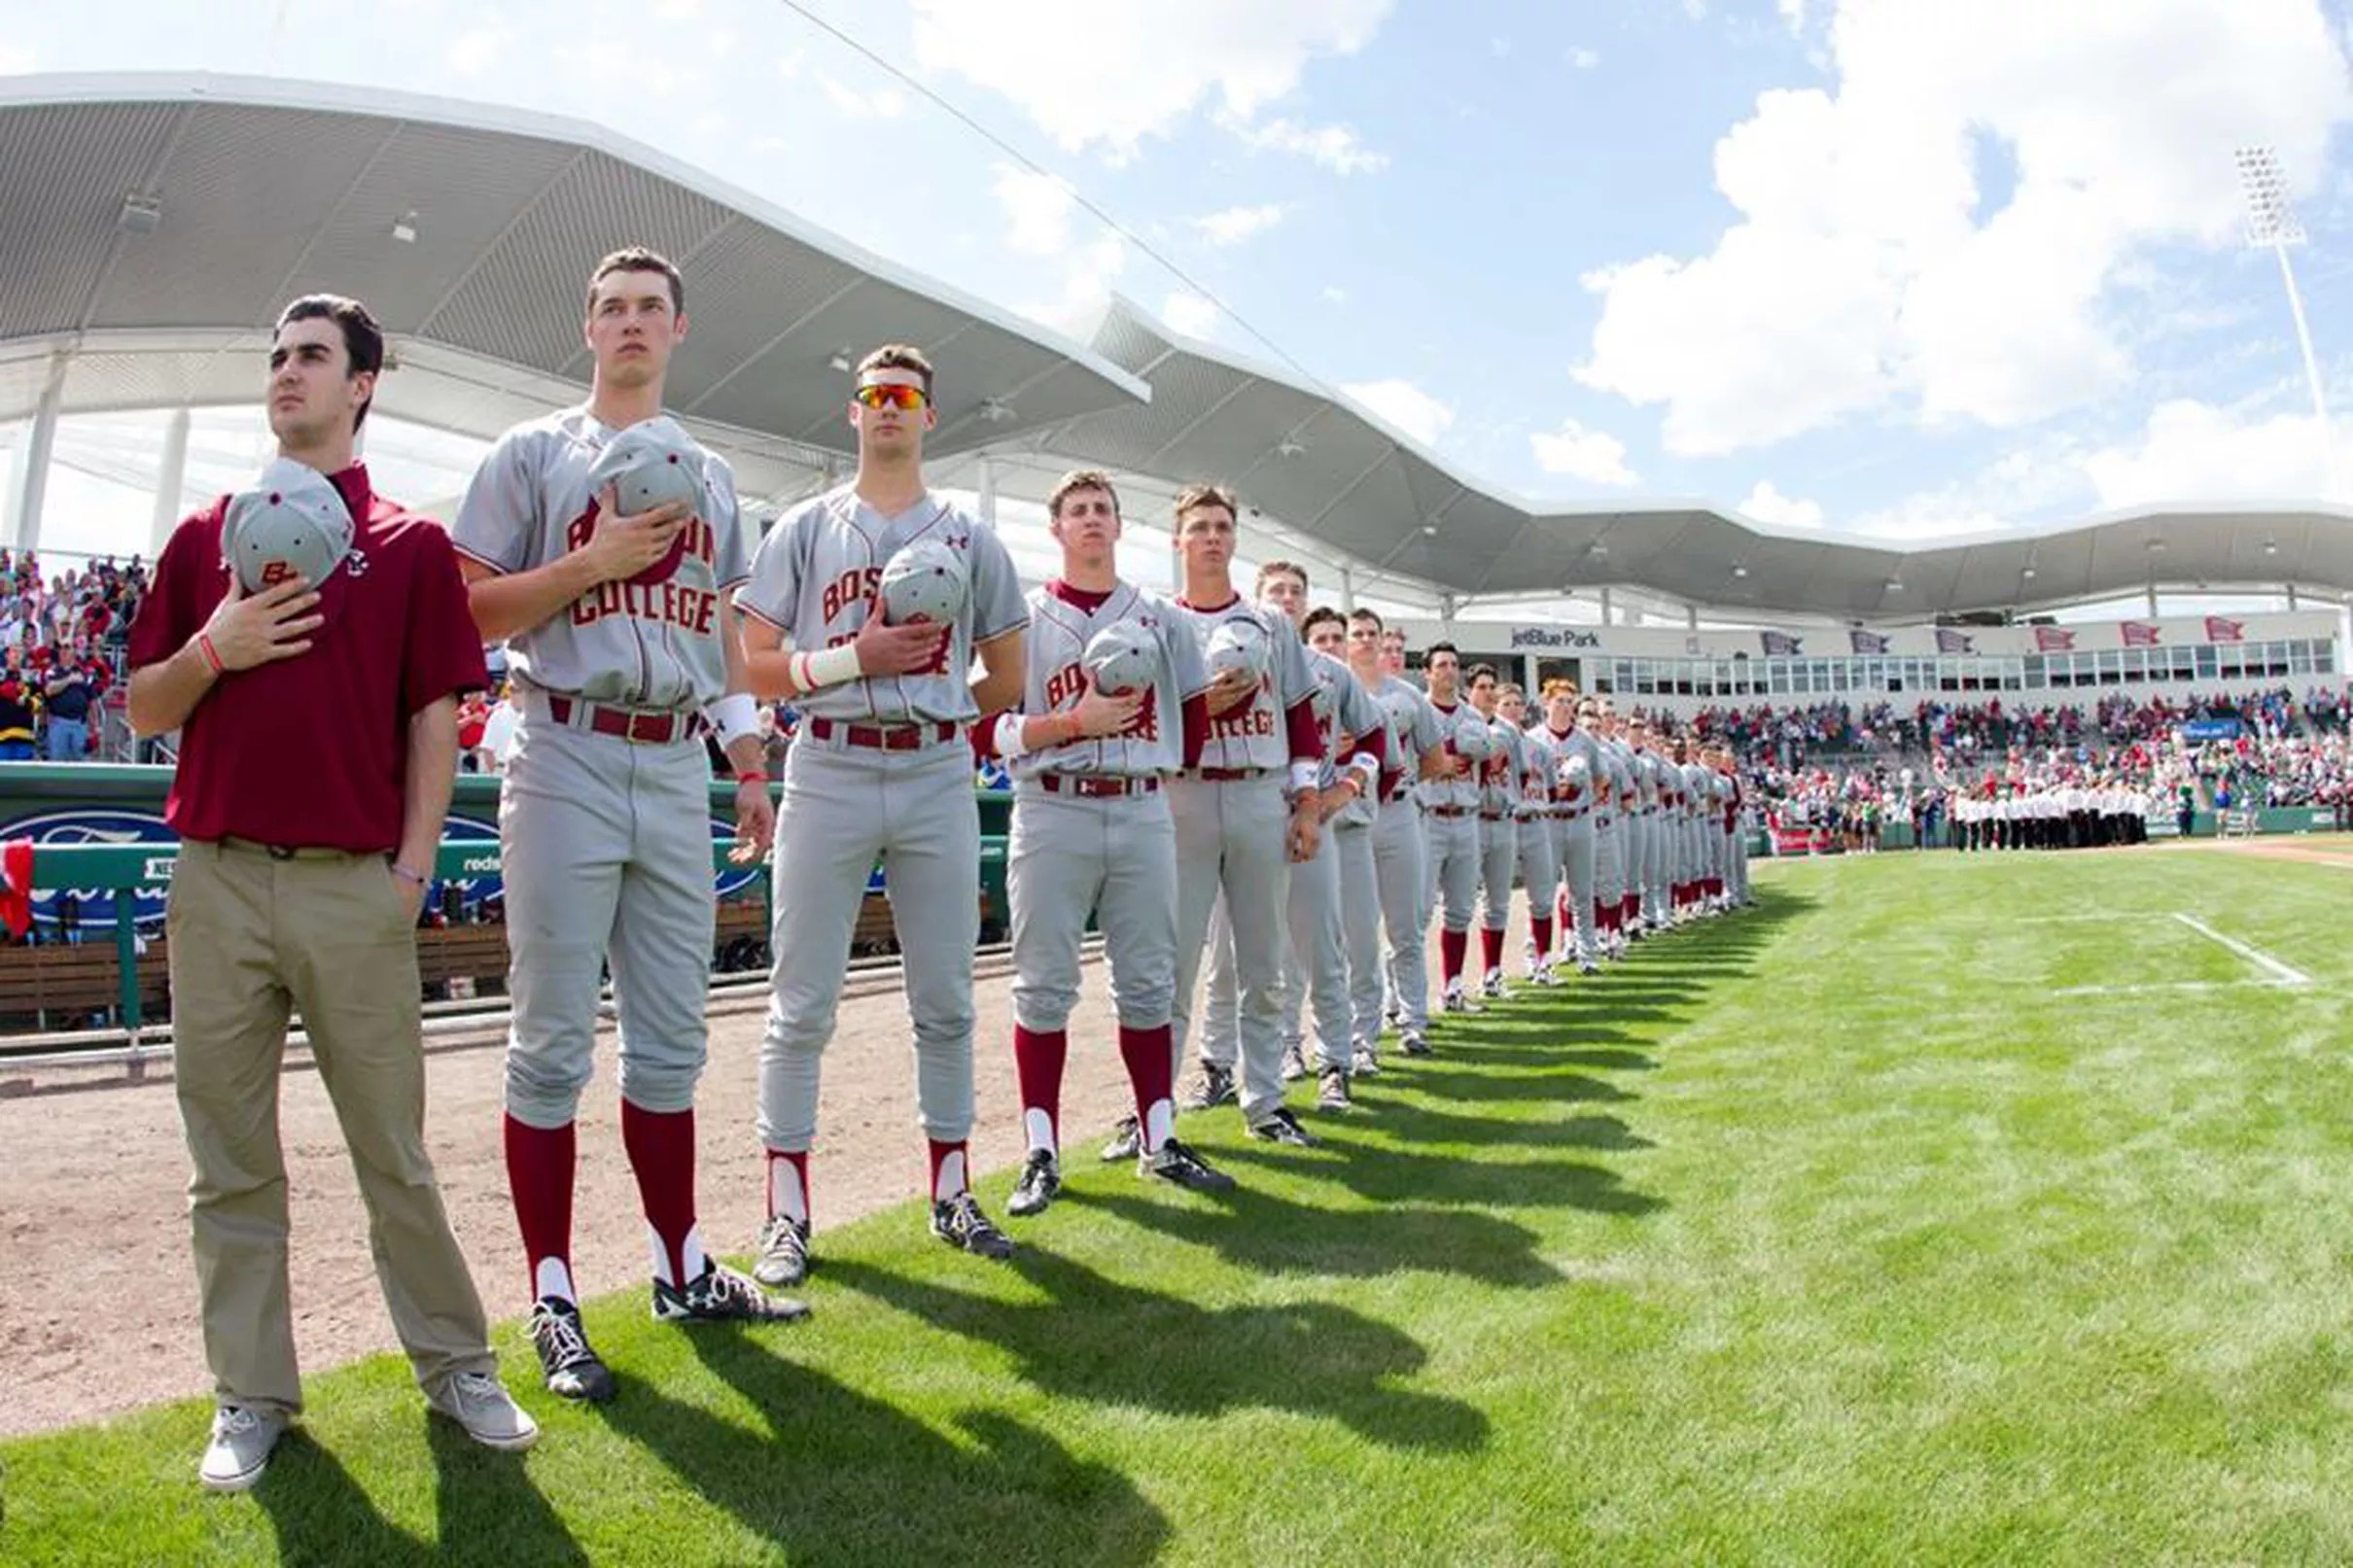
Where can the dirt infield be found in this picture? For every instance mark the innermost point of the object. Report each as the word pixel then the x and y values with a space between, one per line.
pixel 2331 849
pixel 98 1300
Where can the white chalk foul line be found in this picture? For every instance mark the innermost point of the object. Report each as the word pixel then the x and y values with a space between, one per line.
pixel 2281 974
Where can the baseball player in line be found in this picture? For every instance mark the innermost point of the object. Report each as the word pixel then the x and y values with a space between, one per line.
pixel 1398 855
pixel 1249 811
pixel 1418 755
pixel 623 651
pixel 1581 779
pixel 1610 844
pixel 1498 826
pixel 1114 704
pixel 1315 958
pixel 867 606
pixel 1449 814
pixel 1539 846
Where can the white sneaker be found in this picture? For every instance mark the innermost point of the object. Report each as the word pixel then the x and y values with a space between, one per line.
pixel 479 1404
pixel 242 1438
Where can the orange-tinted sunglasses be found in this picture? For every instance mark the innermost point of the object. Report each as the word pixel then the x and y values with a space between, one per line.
pixel 891 393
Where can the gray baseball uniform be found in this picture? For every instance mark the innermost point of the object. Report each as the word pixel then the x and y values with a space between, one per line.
pixel 1499 825
pixel 1092 834
pixel 881 768
pixel 1400 864
pixel 1449 810
pixel 1232 827
pixel 1315 962
pixel 1612 828
pixel 1539 845
pixel 1576 822
pixel 605 841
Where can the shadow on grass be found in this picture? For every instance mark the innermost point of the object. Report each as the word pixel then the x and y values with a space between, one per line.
pixel 1098 1340
pixel 487 1510
pixel 1496 1086
pixel 1253 1229
pixel 321 1514
pixel 1410 1122
pixel 1390 1175
pixel 840 1479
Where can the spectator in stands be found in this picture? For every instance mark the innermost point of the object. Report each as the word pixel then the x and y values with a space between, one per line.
pixel 16 716
pixel 67 697
pixel 474 719
pixel 498 730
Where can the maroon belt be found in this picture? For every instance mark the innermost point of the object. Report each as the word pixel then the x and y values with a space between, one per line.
pixel 1095 786
pixel 1233 774
pixel 636 725
pixel 884 737
pixel 1449 810
pixel 1491 816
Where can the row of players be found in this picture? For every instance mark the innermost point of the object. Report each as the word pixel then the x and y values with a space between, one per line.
pixel 1166 754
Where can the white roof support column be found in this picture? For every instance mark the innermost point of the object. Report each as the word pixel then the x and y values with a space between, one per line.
pixel 31 487
pixel 988 490
pixel 171 484
pixel 1606 607
pixel 1347 590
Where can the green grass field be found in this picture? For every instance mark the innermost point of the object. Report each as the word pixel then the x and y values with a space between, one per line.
pixel 1941 1209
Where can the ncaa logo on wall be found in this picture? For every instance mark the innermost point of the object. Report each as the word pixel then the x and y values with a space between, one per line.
pixel 100 827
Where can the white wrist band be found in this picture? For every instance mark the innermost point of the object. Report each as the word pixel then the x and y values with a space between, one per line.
pixel 828 667
pixel 733 715
pixel 1008 735
pixel 1304 776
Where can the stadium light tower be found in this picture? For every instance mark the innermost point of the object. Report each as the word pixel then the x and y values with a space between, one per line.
pixel 2273 225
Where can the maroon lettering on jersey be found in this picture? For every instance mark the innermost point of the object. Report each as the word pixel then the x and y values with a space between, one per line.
pixel 857 583
pixel 1145 725
pixel 1065 684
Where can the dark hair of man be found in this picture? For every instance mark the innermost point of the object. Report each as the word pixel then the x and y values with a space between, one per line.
pixel 1360 614
pixel 638 258
pixel 1318 616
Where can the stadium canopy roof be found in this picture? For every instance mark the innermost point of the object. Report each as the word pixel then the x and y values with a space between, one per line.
pixel 1369 493
pixel 156 223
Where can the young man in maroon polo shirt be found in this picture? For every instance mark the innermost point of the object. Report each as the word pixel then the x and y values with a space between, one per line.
pixel 318 751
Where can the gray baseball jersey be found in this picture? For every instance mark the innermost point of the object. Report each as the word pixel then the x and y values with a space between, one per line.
pixel 1462 792
pixel 1412 729
pixel 640 643
pixel 1500 776
pixel 1539 764
pixel 814 578
pixel 1063 621
pixel 1256 734
pixel 1344 712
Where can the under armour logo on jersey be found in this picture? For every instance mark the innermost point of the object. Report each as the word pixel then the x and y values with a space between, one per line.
pixel 356 561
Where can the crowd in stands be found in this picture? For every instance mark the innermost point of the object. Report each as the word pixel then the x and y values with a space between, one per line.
pixel 1852 771
pixel 61 648
pixel 1788 738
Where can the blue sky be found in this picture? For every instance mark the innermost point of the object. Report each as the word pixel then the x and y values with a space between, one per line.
pixel 1893 266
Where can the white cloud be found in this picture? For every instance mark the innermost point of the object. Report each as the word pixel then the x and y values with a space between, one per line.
pixel 1235 225
pixel 1188 314
pixel 1086 288
pixel 16 59
pixel 883 103
pixel 1038 207
pixel 1404 406
pixel 2029 481
pixel 677 9
pixel 1793 12
pixel 1336 147
pixel 1592 455
pixel 1584 60
pixel 1334 294
pixel 1767 505
pixel 788 66
pixel 1862 273
pixel 1091 74
pixel 469 53
pixel 2194 451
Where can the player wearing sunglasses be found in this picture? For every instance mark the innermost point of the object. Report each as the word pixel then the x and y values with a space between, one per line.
pixel 880 770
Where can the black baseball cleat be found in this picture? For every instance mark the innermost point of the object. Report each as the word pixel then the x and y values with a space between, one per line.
pixel 1294 1064
pixel 1127 1139
pixel 722 1296
pixel 1331 1089
pixel 1041 1179
pixel 781 1256
pixel 1414 1043
pixel 1215 1087
pixel 571 1369
pixel 1281 1127
pixel 959 1222
pixel 1181 1166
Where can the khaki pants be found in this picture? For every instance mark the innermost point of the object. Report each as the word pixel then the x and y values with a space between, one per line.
pixel 253 935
